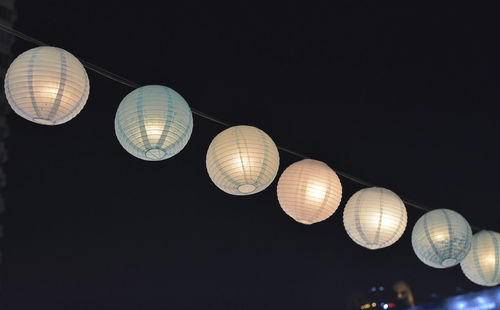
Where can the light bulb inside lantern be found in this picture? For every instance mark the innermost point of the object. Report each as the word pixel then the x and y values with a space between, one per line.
pixel 52 92
pixel 316 191
pixel 154 131
pixel 44 95
pixel 389 221
pixel 439 237
pixel 244 163
pixel 240 161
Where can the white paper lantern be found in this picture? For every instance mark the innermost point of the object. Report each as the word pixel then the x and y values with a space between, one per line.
pixel 46 85
pixel 242 160
pixel 482 264
pixel 153 123
pixel 309 191
pixel 375 217
pixel 441 238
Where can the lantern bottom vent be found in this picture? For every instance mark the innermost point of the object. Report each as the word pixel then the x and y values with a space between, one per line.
pixel 246 188
pixel 155 153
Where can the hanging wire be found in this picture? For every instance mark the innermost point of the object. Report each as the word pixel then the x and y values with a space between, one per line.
pixel 117 78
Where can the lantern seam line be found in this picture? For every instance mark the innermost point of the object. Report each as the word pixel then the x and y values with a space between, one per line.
pixel 476 259
pixel 142 123
pixel 326 198
pixel 238 146
pixel 125 136
pixel 228 178
pixel 82 97
pixel 429 239
pixel 401 217
pixel 357 220
pixel 168 122
pixel 7 86
pixel 60 90
pixel 297 193
pixel 497 258
pixel 31 65
pixel 381 215
pixel 263 167
pixel 450 233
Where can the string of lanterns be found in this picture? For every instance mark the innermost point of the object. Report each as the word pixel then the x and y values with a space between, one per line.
pixel 49 86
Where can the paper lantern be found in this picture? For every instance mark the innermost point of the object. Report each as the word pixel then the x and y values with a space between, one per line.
pixel 309 191
pixel 242 160
pixel 153 123
pixel 441 238
pixel 375 217
pixel 482 264
pixel 46 85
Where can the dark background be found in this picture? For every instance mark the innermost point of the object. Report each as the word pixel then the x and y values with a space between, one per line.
pixel 403 94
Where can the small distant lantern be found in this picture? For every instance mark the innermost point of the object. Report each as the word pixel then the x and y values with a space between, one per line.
pixel 153 123
pixel 309 191
pixel 46 85
pixel 242 160
pixel 441 238
pixel 375 217
pixel 482 264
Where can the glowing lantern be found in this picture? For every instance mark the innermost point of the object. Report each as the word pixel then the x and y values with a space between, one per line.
pixel 153 123
pixel 46 85
pixel 482 264
pixel 441 238
pixel 309 191
pixel 375 217
pixel 242 160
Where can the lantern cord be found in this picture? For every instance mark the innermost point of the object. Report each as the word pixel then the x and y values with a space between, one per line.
pixel 117 78
pixel 103 72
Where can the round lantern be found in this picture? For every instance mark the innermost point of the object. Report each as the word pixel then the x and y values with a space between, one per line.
pixel 46 85
pixel 242 160
pixel 441 238
pixel 375 217
pixel 309 191
pixel 153 123
pixel 482 264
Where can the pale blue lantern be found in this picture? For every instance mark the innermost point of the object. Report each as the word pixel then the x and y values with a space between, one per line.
pixel 153 123
pixel 482 264
pixel 441 238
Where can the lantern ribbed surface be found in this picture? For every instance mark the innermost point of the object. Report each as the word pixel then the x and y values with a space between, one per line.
pixel 46 85
pixel 153 123
pixel 482 264
pixel 441 238
pixel 375 217
pixel 309 191
pixel 242 160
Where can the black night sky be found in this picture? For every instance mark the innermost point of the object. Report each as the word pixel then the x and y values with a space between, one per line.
pixel 403 94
